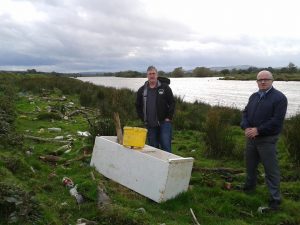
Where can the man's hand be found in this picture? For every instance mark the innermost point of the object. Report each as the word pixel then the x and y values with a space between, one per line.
pixel 167 120
pixel 251 132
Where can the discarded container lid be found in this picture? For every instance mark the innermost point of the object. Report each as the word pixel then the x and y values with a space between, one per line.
pixel 134 137
pixel 67 182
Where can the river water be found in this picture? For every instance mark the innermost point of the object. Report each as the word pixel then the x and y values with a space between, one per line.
pixel 210 90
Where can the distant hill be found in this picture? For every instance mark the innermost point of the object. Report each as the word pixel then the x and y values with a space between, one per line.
pixel 238 67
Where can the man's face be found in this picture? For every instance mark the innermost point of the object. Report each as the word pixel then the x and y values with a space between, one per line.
pixel 264 81
pixel 152 76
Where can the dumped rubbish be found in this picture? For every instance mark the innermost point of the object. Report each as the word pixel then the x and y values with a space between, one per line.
pixel 172 172
pixel 59 138
pixel 67 182
pixel 227 186
pixel 83 221
pixel 83 133
pixel 195 220
pixel 263 209
pixel 42 130
pixel 103 198
pixel 141 210
pixel 50 158
pixel 54 129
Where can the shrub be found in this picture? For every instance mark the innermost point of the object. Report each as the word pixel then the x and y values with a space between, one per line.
pixel 17 206
pixel 291 136
pixel 219 142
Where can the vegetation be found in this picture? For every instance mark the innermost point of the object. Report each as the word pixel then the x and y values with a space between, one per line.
pixel 31 189
pixel 292 137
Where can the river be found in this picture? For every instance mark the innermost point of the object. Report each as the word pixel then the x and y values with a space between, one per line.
pixel 209 90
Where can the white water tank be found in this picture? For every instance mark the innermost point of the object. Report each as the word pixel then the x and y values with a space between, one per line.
pixel 154 173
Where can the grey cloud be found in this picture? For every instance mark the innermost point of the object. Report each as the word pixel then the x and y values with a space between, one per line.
pixel 116 35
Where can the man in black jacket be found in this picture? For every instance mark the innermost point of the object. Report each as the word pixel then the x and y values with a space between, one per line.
pixel 262 121
pixel 155 106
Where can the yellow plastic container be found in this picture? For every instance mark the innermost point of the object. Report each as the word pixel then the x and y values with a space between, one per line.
pixel 134 137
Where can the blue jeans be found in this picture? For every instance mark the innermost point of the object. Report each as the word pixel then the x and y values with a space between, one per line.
pixel 161 136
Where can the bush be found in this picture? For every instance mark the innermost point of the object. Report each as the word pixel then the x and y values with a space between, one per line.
pixel 217 137
pixel 291 136
pixel 17 206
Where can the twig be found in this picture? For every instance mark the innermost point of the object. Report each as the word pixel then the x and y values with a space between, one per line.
pixel 77 159
pixel 194 217
pixel 246 213
pixel 219 170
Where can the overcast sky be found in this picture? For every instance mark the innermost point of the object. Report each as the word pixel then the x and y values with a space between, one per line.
pixel 115 35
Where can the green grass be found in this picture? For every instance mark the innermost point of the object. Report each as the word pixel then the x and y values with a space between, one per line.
pixel 211 203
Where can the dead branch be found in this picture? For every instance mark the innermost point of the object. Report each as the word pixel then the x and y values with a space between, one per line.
pixel 76 159
pixel 219 170
pixel 195 221
pixel 45 139
pixel 50 158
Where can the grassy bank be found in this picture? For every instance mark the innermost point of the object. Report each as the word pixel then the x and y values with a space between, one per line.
pixel 31 189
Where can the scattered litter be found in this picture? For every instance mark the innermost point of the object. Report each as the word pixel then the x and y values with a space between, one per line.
pixel 51 175
pixel 83 133
pixel 193 150
pixel 195 220
pixel 141 210
pixel 67 182
pixel 83 221
pixel 27 131
pixel 67 151
pixel 29 153
pixel 103 198
pixel 66 117
pixel 32 103
pixel 38 109
pixel 32 169
pixel 263 209
pixel 42 130
pixel 92 175
pixel 227 186
pixel 54 129
pixel 50 158
pixel 64 204
pixel 59 138
pixel 48 109
pixel 22 116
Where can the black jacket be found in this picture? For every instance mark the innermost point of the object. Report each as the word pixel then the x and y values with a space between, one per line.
pixel 165 103
pixel 267 114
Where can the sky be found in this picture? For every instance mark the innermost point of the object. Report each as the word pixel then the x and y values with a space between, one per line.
pixel 119 35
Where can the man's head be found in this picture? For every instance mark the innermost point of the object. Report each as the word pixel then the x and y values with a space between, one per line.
pixel 152 75
pixel 264 80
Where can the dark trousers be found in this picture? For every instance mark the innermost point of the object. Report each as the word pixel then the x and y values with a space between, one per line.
pixel 263 149
pixel 161 136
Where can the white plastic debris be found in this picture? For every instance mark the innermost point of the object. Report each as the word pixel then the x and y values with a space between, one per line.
pixel 83 133
pixel 59 138
pixel 54 129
